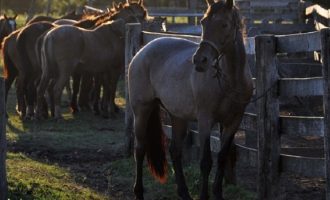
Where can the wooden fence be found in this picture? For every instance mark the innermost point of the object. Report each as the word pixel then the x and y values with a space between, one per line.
pixel 266 121
pixel 276 17
pixel 3 143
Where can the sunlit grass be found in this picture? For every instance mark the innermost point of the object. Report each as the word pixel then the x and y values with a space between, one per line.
pixel 30 179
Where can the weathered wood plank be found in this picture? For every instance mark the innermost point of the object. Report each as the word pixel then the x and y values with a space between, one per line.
pixel 277 29
pixel 247 155
pixel 3 143
pixel 249 122
pixel 300 165
pixel 149 36
pixel 132 45
pixel 325 38
pixel 302 126
pixel 299 70
pixel 302 42
pixel 268 122
pixel 301 86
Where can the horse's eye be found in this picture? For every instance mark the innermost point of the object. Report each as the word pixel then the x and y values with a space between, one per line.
pixel 224 25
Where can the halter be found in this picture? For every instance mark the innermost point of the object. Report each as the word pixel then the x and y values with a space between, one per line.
pixel 218 73
pixel 220 53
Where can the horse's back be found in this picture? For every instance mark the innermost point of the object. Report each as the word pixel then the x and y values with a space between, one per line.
pixel 162 70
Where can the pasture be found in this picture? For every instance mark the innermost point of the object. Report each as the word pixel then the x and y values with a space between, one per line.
pixel 82 157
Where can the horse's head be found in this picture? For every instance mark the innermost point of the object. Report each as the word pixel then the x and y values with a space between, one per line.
pixel 130 12
pixel 221 24
pixel 7 25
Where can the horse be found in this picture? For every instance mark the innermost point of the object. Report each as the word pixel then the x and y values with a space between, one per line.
pixel 7 25
pixel 102 48
pixel 209 82
pixel 12 64
pixel 29 49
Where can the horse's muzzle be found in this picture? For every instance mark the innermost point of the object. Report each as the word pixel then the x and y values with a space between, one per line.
pixel 200 62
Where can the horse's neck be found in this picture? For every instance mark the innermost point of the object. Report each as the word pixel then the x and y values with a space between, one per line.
pixel 234 64
pixel 104 33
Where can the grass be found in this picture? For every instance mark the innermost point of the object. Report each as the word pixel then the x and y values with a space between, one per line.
pixel 29 179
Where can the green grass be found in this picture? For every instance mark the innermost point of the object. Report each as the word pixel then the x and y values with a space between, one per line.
pixel 29 179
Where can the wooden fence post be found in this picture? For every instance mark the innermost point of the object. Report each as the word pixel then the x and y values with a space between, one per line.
pixel 132 45
pixel 3 142
pixel 325 42
pixel 268 122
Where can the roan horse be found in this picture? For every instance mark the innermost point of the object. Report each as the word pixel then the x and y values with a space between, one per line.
pixel 209 82
pixel 68 48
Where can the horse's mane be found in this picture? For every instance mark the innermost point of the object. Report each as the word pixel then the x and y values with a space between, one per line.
pixel 116 9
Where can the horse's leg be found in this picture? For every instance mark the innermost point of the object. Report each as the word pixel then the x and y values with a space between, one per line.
pixel 141 115
pixel 30 97
pixel 68 90
pixel 8 82
pixel 113 80
pixel 227 139
pixel 41 101
pixel 96 94
pixel 58 89
pixel 179 132
pixel 21 92
pixel 85 88
pixel 50 91
pixel 204 129
pixel 75 87
pixel 106 96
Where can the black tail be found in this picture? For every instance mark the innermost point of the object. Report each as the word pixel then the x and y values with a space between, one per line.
pixel 155 148
pixel 10 70
pixel 21 43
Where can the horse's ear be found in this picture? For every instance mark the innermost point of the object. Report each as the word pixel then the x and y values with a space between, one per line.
pixel 114 5
pixel 15 16
pixel 230 3
pixel 120 6
pixel 140 2
pixel 209 2
pixel 5 16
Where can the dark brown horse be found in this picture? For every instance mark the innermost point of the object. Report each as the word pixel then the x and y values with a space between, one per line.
pixel 98 50
pixel 208 82
pixel 7 25
pixel 12 63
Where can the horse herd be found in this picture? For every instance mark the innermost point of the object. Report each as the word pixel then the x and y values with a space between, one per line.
pixel 46 52
pixel 208 82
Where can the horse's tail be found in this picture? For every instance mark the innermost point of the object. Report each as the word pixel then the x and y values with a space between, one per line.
pixel 48 65
pixel 9 68
pixel 22 52
pixel 155 146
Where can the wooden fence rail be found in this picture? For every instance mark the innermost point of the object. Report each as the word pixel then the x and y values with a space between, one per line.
pixel 266 122
pixel 3 143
